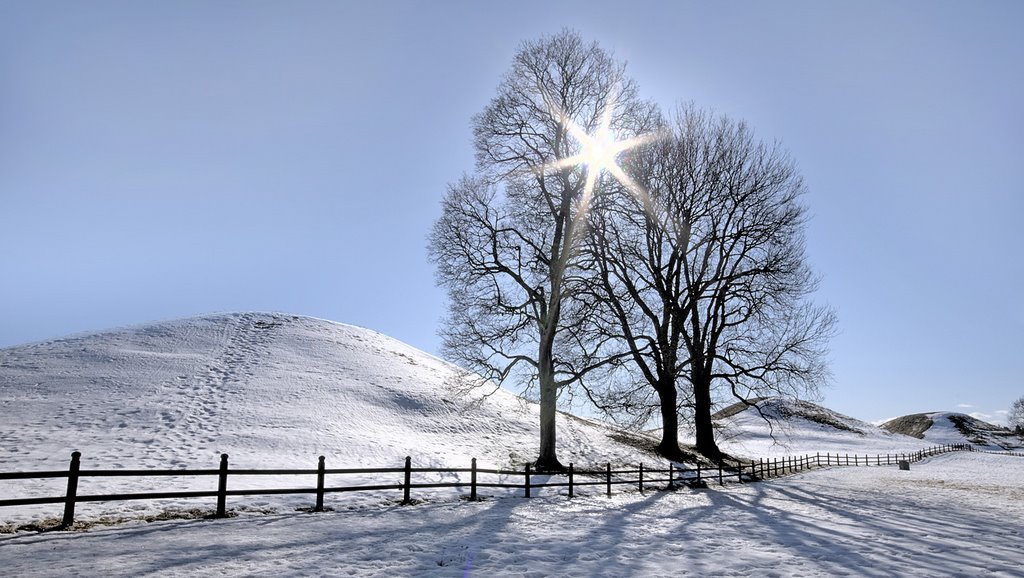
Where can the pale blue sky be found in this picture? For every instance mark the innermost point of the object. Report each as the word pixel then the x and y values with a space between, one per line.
pixel 165 159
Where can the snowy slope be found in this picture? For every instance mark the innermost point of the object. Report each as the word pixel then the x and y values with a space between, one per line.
pixel 265 388
pixel 789 427
pixel 944 427
pixel 271 390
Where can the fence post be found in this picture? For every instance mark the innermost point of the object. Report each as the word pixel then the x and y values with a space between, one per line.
pixel 641 477
pixel 222 486
pixel 526 486
pixel 698 473
pixel 570 480
pixel 408 480
pixel 472 481
pixel 671 474
pixel 608 479
pixel 320 485
pixel 72 493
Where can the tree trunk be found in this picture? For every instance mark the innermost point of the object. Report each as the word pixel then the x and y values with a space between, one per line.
pixel 669 446
pixel 704 429
pixel 547 460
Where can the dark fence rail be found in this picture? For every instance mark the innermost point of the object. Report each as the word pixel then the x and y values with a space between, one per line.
pixel 673 476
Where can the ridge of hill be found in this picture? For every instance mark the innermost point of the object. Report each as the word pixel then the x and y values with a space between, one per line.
pixel 952 427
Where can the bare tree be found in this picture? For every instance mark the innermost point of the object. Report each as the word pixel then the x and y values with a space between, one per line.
pixel 507 243
pixel 637 249
pixel 1016 415
pixel 702 273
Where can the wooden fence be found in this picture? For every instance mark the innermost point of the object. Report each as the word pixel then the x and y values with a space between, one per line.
pixel 571 480
pixel 1004 453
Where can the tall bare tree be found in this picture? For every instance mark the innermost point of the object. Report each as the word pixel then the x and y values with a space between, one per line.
pixel 702 273
pixel 507 243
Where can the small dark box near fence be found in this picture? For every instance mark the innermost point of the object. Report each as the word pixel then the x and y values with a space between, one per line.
pixel 904 465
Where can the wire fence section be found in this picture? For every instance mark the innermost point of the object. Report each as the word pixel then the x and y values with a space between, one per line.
pixel 479 481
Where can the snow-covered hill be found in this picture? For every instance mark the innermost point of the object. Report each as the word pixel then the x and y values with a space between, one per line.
pixel 951 428
pixel 271 390
pixel 777 427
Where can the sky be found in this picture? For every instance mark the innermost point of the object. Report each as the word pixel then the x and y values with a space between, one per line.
pixel 161 160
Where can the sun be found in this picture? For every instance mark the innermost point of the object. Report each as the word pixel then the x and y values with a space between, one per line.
pixel 599 152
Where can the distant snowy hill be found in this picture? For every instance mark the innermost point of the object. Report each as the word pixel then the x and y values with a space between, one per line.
pixel 950 427
pixel 776 427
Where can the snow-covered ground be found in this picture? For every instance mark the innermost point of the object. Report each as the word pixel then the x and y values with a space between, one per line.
pixel 275 390
pixel 959 514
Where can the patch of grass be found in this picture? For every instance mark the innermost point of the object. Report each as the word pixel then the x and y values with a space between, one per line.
pixel 641 442
pixel 909 425
pixel 822 417
pixel 54 523
pixel 312 510
pixel 737 407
